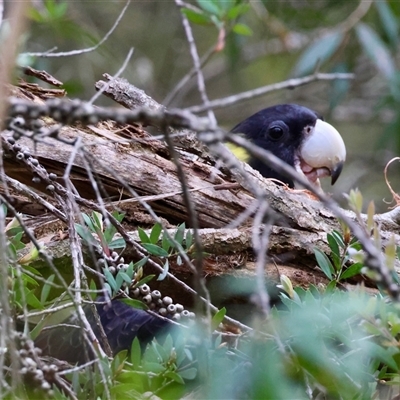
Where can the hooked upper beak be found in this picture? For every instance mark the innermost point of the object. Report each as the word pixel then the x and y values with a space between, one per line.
pixel 322 153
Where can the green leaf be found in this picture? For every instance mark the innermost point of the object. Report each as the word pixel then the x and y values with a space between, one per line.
pixel 382 354
pixel 189 373
pixel 155 250
pixel 376 50
pixel 331 287
pixel 89 222
pixel 117 244
pixel 335 253
pixel 179 234
pixel 146 279
pixel 355 198
pixel 324 263
pixel 32 300
pixel 29 280
pixel 118 281
pixel 118 216
pixel 153 367
pixel 189 239
pixel 93 287
pixel 218 318
pixel 166 242
pixel 125 276
pixel 98 221
pixel 140 263
pixel 354 269
pixel 339 239
pixel 134 303
pixel 242 29
pixel 318 52
pixel 46 289
pixel 155 233
pixel 136 353
pixel 110 279
pixel 209 6
pixel 175 377
pixel 333 244
pixel 224 4
pixel 144 238
pixel 238 10
pixel 164 274
pixel 196 17
pixel 85 234
pixel 389 21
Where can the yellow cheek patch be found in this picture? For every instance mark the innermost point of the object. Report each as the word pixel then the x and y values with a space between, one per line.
pixel 239 152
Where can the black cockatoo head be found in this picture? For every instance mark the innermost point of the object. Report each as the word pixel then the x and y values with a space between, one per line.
pixel 299 137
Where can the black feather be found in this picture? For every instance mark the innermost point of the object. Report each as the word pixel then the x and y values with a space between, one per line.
pixel 262 129
pixel 121 324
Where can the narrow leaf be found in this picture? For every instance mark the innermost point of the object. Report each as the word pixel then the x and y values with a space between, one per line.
pixel 218 318
pixel 209 6
pixel 189 373
pixel 164 274
pixel 376 50
pixel 189 239
pixel 389 21
pixel 199 18
pixel 180 233
pixel 155 233
pixel 134 303
pixel 353 270
pixel 98 221
pixel 324 263
pixel 46 289
pixel 242 29
pixel 146 279
pixel 117 244
pixel 136 353
pixel 318 52
pixel 89 222
pixel 155 250
pixel 110 278
pixel 144 238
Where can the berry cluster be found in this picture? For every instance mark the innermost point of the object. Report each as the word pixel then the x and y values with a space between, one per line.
pixel 162 305
pixel 32 368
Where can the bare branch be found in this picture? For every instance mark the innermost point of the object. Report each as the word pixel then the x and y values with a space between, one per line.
pixel 251 94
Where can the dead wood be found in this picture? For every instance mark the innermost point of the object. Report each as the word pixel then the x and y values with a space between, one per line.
pixel 128 153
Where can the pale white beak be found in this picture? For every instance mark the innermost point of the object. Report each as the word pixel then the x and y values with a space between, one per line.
pixel 322 152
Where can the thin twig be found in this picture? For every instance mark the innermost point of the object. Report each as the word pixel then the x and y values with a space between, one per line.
pixel 201 86
pixel 260 235
pixel 119 72
pixel 82 51
pixel 252 94
pixel 199 282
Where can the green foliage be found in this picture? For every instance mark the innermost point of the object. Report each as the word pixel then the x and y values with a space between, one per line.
pixel 167 248
pixel 318 53
pixel 334 343
pixel 342 250
pixel 123 279
pixel 21 277
pixel 221 13
pixel 105 235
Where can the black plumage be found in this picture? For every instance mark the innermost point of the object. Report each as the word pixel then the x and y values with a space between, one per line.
pixel 283 129
pixel 121 324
